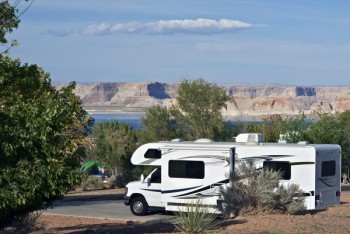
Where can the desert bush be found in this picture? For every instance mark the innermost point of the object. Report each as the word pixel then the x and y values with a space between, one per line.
pixel 255 191
pixel 111 182
pixel 28 223
pixel 92 183
pixel 289 199
pixel 195 218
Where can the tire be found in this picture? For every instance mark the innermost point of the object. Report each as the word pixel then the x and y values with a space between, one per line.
pixel 138 206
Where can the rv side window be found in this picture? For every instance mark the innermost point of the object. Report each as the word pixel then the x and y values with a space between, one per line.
pixel 283 167
pixel 186 169
pixel 153 153
pixel 328 168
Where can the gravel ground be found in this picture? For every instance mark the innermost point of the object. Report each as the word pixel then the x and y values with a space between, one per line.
pixel 332 220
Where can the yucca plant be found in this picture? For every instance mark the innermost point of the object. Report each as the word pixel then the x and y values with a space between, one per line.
pixel 195 218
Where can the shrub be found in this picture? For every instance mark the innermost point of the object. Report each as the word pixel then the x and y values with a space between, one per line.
pixel 29 223
pixel 130 174
pixel 289 199
pixel 258 191
pixel 93 183
pixel 195 218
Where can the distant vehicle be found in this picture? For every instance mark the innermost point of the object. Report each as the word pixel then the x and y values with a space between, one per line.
pixel 185 171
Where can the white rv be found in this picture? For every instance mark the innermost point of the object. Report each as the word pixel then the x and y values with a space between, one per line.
pixel 191 170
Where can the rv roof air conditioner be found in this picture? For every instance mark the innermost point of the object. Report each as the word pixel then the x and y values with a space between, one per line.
pixel 203 140
pixel 176 140
pixel 250 138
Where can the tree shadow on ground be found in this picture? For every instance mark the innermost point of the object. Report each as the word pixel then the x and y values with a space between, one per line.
pixel 228 222
pixel 127 228
pixel 130 227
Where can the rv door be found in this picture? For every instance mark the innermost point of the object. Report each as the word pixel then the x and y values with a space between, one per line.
pixel 327 178
pixel 153 188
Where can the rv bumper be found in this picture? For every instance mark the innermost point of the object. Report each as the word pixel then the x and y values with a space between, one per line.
pixel 126 200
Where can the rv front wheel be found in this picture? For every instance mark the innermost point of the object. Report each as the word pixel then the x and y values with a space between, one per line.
pixel 138 206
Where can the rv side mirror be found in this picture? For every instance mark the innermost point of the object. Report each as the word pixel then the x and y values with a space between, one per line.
pixel 142 178
pixel 148 182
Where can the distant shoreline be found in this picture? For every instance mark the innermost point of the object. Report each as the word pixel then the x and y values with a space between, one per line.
pixel 106 112
pixel 114 110
pixel 118 110
pixel 133 114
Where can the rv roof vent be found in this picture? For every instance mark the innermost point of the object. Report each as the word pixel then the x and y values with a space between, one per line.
pixel 176 140
pixel 203 140
pixel 250 137
pixel 303 142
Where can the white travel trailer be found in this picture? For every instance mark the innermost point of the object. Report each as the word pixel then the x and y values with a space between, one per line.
pixel 191 170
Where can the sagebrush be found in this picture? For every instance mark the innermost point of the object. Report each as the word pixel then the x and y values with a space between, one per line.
pixel 253 191
pixel 93 183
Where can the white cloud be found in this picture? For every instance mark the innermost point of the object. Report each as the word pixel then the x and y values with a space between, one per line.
pixel 98 29
pixel 198 26
pixel 59 33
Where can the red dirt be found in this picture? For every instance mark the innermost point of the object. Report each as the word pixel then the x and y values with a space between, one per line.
pixel 332 220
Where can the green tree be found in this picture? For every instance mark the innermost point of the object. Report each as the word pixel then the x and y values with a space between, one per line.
pixel 325 129
pixel 197 114
pixel 329 129
pixel 114 144
pixel 344 119
pixel 270 126
pixel 41 132
pixel 294 129
pixel 199 107
pixel 9 20
pixel 160 124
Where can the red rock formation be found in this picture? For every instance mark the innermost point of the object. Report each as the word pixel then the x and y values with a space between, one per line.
pixel 245 100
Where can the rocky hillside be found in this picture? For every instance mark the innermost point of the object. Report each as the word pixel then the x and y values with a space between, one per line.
pixel 245 100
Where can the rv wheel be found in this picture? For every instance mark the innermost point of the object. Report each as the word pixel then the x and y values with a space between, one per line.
pixel 138 206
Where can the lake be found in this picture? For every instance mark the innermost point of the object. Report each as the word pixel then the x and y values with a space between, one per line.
pixel 133 119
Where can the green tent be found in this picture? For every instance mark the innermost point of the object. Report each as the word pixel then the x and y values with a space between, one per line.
pixel 92 168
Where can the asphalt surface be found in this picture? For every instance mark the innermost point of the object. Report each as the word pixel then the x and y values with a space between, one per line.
pixel 109 206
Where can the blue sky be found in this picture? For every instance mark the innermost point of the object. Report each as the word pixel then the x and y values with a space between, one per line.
pixel 222 41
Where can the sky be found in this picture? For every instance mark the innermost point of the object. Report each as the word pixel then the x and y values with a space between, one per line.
pixel 297 42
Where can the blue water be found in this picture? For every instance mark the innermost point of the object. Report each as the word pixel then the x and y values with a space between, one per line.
pixel 133 119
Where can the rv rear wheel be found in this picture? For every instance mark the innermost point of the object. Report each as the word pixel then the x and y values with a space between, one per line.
pixel 138 206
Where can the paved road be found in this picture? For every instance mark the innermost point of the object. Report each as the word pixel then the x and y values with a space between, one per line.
pixel 101 206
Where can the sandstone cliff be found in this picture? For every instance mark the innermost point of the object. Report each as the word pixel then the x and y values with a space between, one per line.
pixel 245 100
